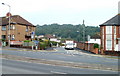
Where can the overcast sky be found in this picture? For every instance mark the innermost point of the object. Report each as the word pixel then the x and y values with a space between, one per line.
pixel 94 12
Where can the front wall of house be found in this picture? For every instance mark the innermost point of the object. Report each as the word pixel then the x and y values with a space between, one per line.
pixel 103 37
pixel 118 31
pixel 20 32
pixel 109 35
pixel 30 30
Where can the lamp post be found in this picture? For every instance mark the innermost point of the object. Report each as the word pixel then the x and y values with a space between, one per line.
pixel 9 22
pixel 83 35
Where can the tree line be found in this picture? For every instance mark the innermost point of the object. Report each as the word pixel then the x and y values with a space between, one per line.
pixel 70 31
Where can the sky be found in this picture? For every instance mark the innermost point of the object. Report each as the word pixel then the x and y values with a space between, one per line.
pixel 94 12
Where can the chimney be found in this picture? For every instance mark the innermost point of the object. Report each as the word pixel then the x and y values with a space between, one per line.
pixel 8 14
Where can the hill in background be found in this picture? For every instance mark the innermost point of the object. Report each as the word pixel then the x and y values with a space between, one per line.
pixel 67 31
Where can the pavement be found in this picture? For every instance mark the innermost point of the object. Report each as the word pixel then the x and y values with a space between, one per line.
pixel 50 49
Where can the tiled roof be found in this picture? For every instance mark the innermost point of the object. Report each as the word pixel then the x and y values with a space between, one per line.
pixel 49 36
pixel 96 36
pixel 113 21
pixel 15 19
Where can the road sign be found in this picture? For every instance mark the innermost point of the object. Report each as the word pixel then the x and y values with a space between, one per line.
pixel 33 33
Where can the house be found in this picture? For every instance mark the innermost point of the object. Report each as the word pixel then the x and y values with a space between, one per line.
pixel 19 30
pixel 52 38
pixel 0 33
pixel 95 39
pixel 110 34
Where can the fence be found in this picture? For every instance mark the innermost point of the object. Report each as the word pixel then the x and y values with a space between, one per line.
pixel 88 47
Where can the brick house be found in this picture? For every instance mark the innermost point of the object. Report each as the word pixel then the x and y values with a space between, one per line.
pixel 20 29
pixel 110 34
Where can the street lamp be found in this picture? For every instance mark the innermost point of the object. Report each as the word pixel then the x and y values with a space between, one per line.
pixel 83 34
pixel 9 22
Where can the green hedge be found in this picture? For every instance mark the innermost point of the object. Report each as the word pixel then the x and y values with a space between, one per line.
pixel 27 41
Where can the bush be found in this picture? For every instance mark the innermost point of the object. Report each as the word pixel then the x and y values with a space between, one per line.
pixel 42 45
pixel 96 45
pixel 47 42
pixel 40 40
pixel 27 41
pixel 61 44
pixel 53 43
pixel 3 40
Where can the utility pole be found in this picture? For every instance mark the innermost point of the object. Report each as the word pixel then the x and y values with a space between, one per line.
pixel 83 34
pixel 9 15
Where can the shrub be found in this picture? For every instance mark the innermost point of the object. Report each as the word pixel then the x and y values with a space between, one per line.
pixel 27 41
pixel 40 40
pixel 42 45
pixel 96 45
pixel 3 40
pixel 61 44
pixel 53 43
pixel 47 42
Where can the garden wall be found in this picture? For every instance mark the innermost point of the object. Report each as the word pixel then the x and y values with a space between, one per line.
pixel 88 47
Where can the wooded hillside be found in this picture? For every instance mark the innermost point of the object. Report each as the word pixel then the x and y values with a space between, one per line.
pixel 67 31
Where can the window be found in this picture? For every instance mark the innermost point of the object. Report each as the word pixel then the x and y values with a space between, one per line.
pixel 30 28
pixel 3 28
pixel 26 28
pixel 13 37
pixel 103 30
pixel 109 44
pixel 12 27
pixel 9 27
pixel 108 29
pixel 4 37
pixel 109 37
pixel 114 29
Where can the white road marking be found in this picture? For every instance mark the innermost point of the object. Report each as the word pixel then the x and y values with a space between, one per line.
pixel 54 72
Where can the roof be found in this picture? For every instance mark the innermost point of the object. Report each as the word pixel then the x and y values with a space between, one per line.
pixel 96 36
pixel 49 36
pixel 113 21
pixel 15 19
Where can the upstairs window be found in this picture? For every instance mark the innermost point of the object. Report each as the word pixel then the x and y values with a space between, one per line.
pixel 108 29
pixel 26 28
pixel 12 27
pixel 114 29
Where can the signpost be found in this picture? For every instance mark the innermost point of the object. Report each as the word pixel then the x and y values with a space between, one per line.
pixel 88 42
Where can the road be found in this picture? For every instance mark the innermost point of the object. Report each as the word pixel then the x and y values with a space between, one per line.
pixel 21 67
pixel 63 55
pixel 18 67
